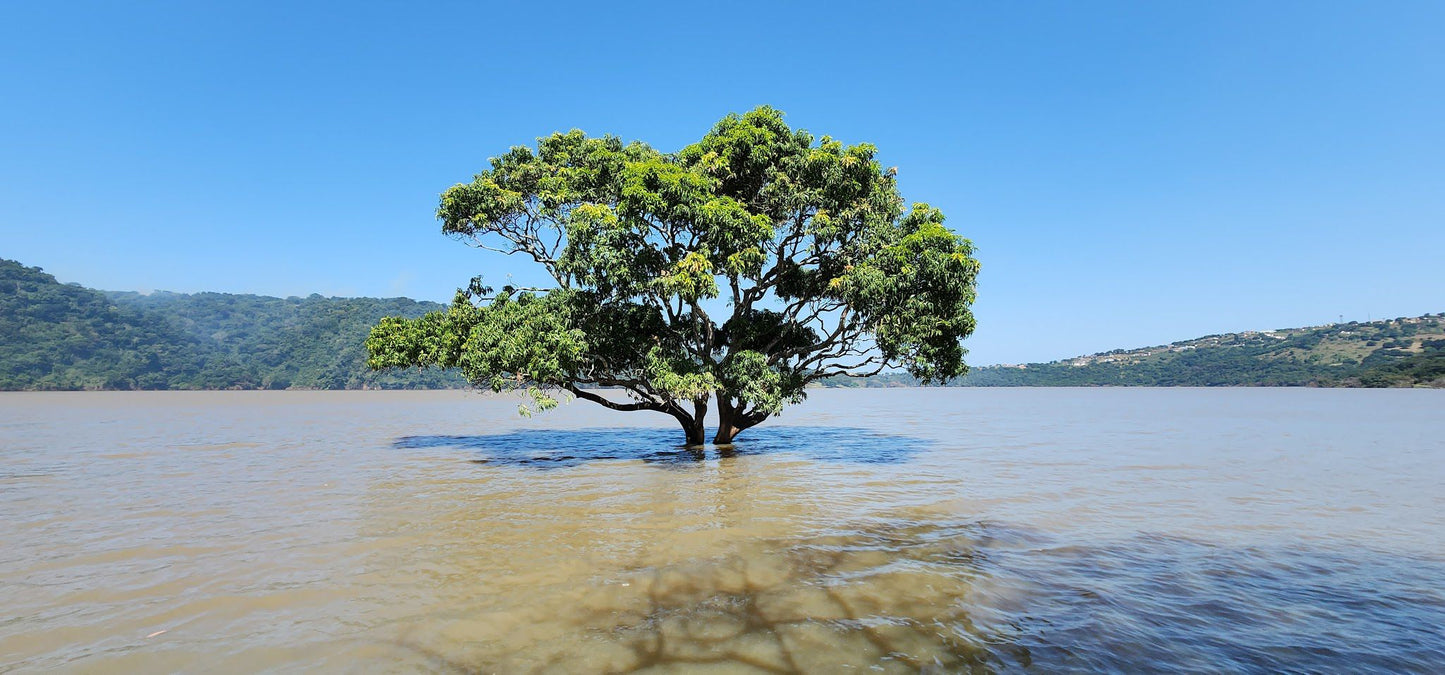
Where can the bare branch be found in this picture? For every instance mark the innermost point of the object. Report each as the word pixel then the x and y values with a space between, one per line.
pixel 605 402
pixel 828 340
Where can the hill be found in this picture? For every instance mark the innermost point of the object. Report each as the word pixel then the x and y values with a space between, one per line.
pixel 1403 352
pixel 60 336
pixel 1391 352
pixel 290 343
pixel 64 336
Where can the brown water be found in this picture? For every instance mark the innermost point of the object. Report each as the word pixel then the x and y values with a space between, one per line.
pixel 884 530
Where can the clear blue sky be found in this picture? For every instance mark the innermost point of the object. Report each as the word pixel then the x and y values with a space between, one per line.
pixel 1132 173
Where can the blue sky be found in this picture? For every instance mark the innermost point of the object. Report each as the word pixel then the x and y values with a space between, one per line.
pixel 1132 173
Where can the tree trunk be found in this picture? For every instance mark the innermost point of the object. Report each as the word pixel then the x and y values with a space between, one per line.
pixel 695 434
pixel 728 422
pixel 693 426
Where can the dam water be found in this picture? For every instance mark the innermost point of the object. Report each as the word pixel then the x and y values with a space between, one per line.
pixel 892 530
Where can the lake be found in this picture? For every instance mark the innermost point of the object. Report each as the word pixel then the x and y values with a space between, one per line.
pixel 899 530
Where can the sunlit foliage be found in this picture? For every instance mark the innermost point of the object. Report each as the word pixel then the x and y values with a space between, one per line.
pixel 737 270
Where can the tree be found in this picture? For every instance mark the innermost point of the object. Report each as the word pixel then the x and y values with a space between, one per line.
pixel 738 270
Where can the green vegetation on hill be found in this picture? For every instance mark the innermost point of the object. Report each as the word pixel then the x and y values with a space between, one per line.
pixel 1404 352
pixel 58 336
pixel 63 336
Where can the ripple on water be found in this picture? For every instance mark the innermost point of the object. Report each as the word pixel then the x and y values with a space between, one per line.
pixel 383 532
pixel 906 596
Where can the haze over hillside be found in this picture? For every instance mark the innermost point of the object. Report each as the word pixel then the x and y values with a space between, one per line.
pixel 66 337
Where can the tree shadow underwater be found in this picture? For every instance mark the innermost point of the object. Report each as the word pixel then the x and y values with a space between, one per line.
pixel 555 448
pixel 905 596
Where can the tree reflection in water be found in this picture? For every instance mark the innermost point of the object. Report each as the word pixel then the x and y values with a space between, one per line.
pixel 747 564
pixel 927 597
pixel 892 597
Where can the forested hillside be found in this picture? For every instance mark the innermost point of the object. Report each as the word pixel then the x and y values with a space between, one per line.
pixel 1403 352
pixel 281 343
pixel 1387 353
pixel 58 336
pixel 63 336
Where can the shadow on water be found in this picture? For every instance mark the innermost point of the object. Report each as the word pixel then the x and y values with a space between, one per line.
pixel 549 449
pixel 979 597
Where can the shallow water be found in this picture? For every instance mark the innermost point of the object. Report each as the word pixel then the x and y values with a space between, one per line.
pixel 893 530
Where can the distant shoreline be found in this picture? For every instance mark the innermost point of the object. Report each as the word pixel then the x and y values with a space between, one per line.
pixel 65 337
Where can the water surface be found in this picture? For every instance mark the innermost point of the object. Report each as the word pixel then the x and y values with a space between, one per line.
pixel 893 530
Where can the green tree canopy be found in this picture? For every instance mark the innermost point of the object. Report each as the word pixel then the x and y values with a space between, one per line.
pixel 737 270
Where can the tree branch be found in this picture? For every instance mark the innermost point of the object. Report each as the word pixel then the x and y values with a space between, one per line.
pixel 597 398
